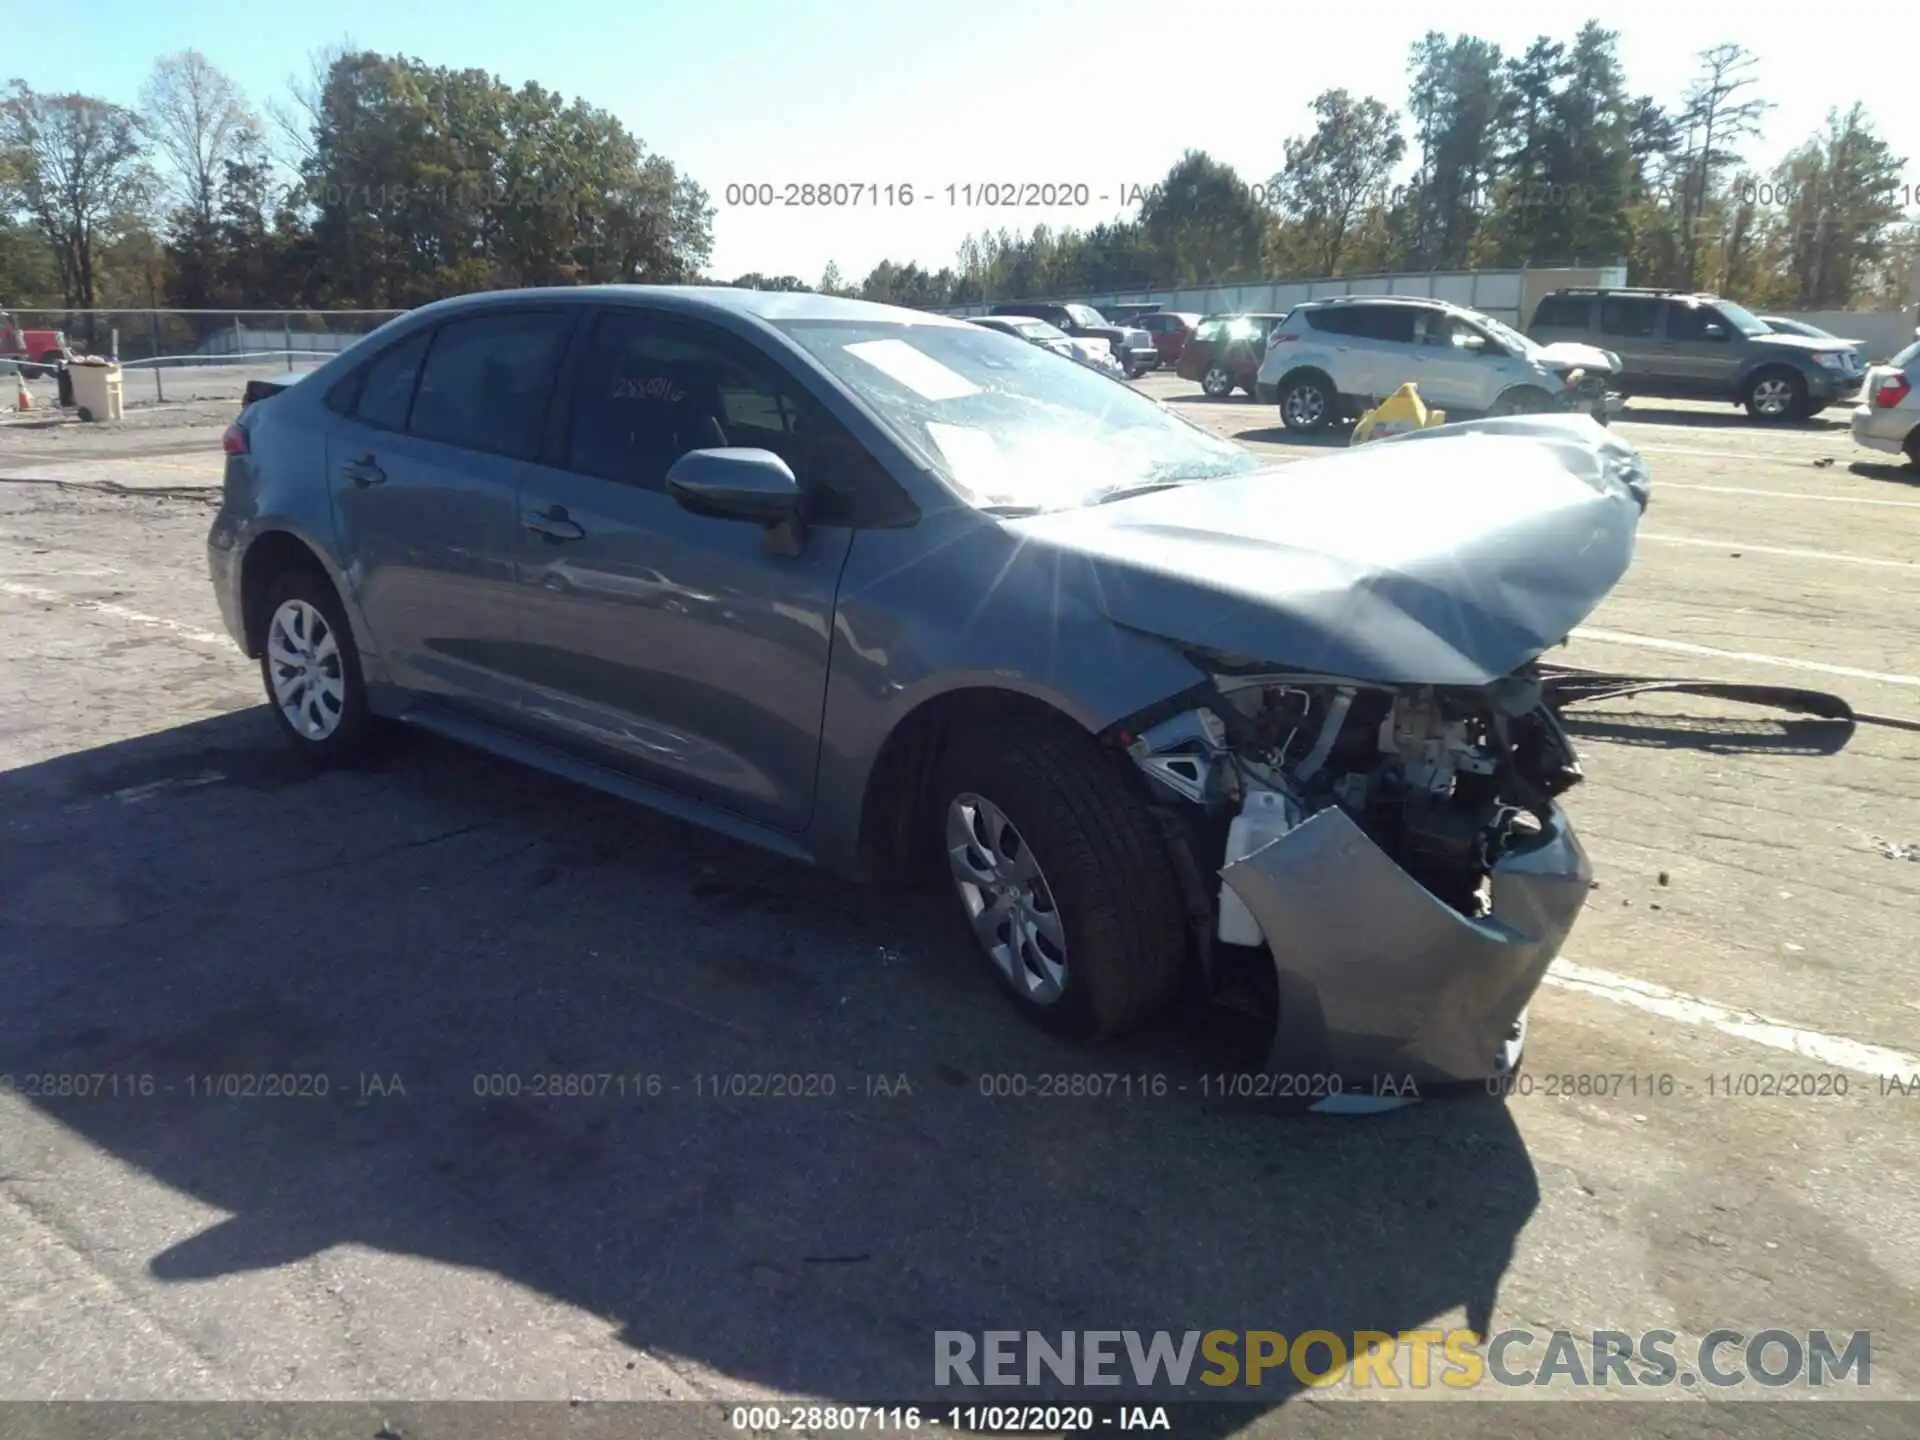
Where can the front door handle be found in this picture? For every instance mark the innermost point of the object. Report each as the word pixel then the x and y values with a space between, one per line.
pixel 363 472
pixel 553 524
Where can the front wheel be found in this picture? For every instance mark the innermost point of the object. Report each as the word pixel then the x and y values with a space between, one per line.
pixel 1525 400
pixel 311 669
pixel 1063 878
pixel 1776 395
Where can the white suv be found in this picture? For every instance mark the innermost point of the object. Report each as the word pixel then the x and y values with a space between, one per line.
pixel 1337 358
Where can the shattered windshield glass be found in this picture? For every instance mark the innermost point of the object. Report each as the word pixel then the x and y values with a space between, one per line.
pixel 1010 425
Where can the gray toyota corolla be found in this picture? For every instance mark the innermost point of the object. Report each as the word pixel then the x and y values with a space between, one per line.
pixel 906 597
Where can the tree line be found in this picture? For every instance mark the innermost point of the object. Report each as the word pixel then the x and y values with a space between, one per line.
pixel 385 182
pixel 381 182
pixel 1546 157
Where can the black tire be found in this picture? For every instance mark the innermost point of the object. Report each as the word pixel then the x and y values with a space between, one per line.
pixel 347 739
pixel 1216 382
pixel 1523 400
pixel 1308 403
pixel 1103 858
pixel 1759 389
pixel 1913 448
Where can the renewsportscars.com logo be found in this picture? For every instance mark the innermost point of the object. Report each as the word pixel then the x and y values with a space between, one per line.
pixel 1720 1361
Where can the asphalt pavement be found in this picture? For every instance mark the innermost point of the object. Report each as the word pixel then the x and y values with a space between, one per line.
pixel 416 1210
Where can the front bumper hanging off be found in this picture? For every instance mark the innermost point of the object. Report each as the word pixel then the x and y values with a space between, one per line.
pixel 1380 982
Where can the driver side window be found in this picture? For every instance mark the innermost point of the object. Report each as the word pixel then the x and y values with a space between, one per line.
pixel 648 390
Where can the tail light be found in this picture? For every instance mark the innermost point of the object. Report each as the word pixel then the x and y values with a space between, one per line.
pixel 1892 391
pixel 1281 337
pixel 234 442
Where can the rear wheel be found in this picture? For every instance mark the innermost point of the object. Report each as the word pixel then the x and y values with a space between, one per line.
pixel 311 668
pixel 1217 382
pixel 1063 877
pixel 1776 395
pixel 1913 448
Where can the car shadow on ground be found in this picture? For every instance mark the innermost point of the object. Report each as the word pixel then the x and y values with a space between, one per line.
pixel 1198 397
pixel 1335 437
pixel 1881 470
pixel 1715 734
pixel 1732 418
pixel 198 903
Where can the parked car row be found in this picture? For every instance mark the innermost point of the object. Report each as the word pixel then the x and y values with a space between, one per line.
pixel 1586 349
pixel 1133 348
pixel 1096 355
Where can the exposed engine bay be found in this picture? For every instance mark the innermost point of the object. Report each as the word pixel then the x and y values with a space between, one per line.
pixel 1445 781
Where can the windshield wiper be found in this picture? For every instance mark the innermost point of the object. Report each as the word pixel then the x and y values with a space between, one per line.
pixel 1127 492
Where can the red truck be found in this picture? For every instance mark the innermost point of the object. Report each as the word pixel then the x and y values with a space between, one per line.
pixel 36 351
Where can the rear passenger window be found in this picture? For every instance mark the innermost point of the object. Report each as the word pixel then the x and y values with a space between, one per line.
pixel 1564 312
pixel 487 380
pixel 1392 323
pixel 1332 322
pixel 1632 316
pixel 386 387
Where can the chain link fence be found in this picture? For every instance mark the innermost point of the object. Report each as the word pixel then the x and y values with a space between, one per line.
pixel 187 355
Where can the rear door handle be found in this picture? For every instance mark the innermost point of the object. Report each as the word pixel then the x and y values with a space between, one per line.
pixel 363 472
pixel 553 524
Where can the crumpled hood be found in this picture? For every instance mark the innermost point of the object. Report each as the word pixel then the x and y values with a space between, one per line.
pixel 1450 556
pixel 1570 355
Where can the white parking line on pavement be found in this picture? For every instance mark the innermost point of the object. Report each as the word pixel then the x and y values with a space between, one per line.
pixel 1683 647
pixel 1659 486
pixel 118 612
pixel 1732 455
pixel 1835 1050
pixel 1747 549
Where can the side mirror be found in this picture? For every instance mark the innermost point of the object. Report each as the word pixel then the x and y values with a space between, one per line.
pixel 1713 331
pixel 741 483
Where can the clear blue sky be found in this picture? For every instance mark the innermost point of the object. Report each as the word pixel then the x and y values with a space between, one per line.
pixel 951 92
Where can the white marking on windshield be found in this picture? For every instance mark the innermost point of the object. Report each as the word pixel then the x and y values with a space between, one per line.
pixel 915 369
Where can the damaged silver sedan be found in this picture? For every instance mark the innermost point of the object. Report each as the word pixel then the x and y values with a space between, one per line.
pixel 908 598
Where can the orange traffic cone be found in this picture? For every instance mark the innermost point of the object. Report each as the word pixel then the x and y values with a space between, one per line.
pixel 25 399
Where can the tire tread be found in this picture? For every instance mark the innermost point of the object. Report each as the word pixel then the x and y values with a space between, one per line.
pixel 1127 899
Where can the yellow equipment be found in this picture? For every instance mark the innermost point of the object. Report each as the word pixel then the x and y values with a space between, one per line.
pixel 1400 412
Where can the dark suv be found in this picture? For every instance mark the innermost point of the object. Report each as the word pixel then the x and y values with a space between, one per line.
pixel 1701 347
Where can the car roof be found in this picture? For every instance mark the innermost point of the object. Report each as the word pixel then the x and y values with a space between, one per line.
pixel 1432 302
pixel 766 305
